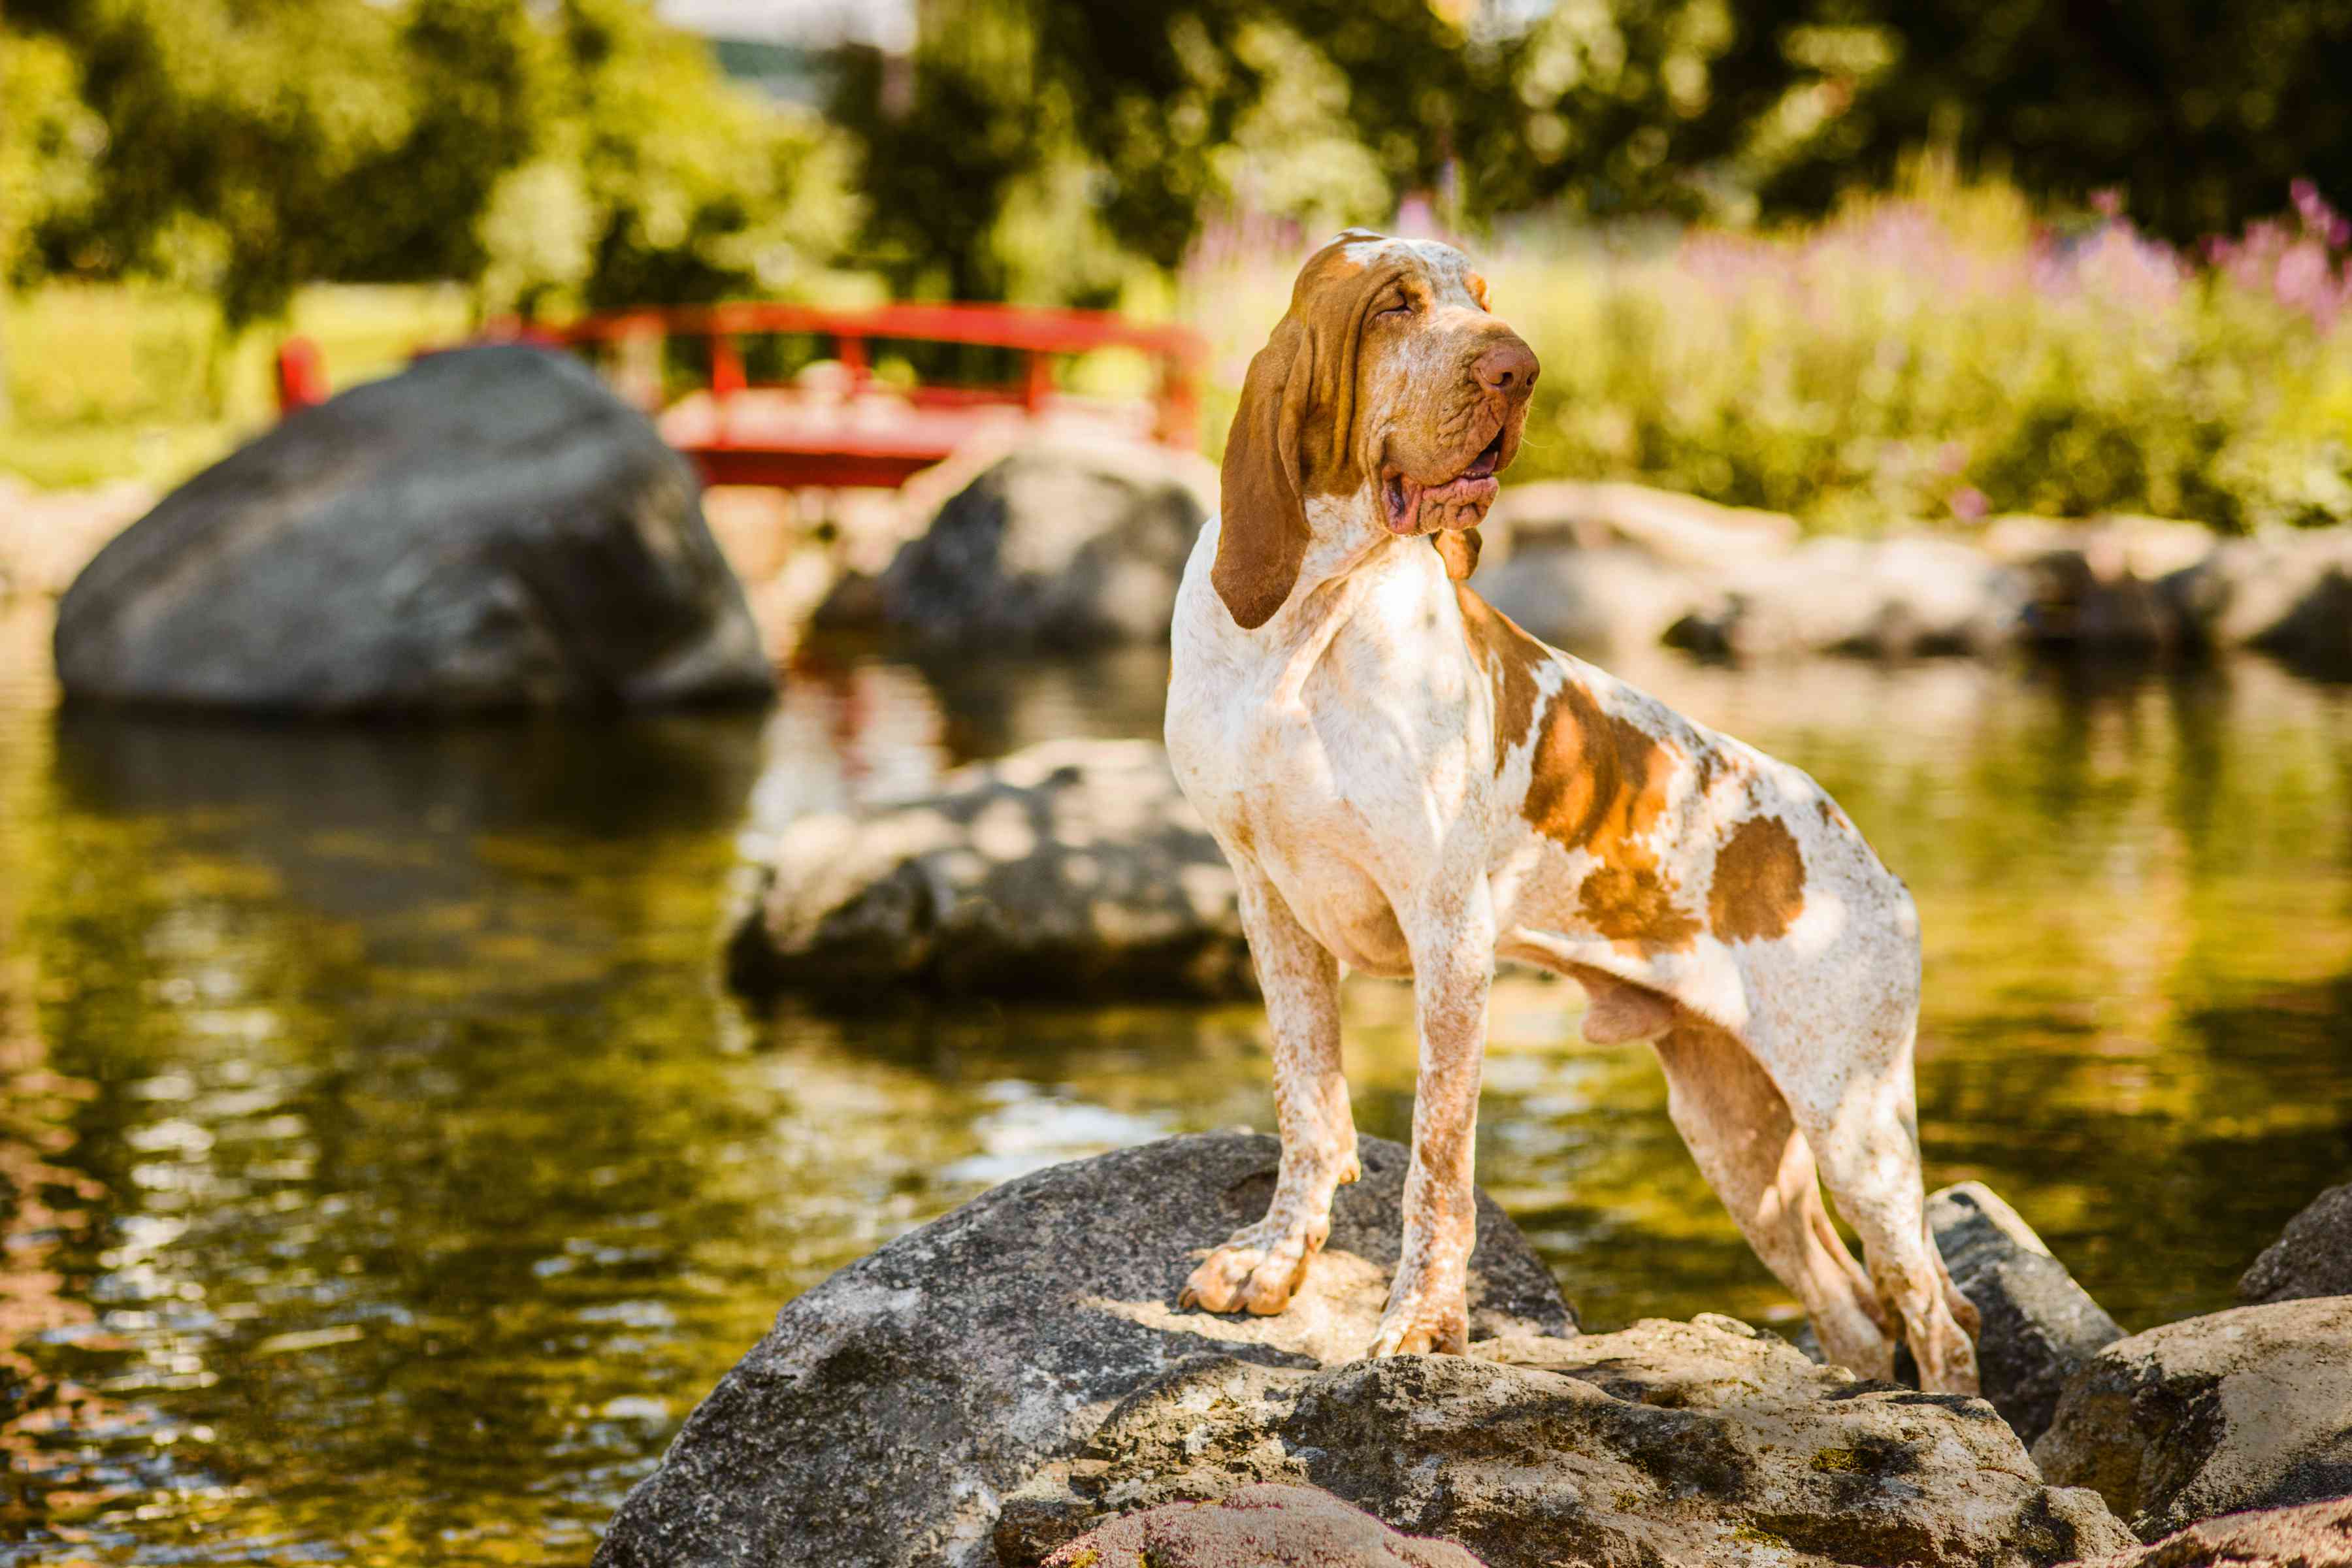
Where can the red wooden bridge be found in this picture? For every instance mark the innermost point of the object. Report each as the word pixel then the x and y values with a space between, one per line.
pixel 835 423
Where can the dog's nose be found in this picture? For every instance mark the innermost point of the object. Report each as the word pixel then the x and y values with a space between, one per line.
pixel 1507 367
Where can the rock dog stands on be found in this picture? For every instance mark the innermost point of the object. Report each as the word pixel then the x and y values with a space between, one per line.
pixel 987 1389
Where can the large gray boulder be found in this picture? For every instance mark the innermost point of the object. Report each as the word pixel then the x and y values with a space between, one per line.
pixel 2315 1535
pixel 2040 1326
pixel 2313 1258
pixel 489 529
pixel 2243 1409
pixel 1074 868
pixel 1062 541
pixel 1696 1444
pixel 885 1417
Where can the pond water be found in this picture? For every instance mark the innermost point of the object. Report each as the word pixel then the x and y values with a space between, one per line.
pixel 387 1173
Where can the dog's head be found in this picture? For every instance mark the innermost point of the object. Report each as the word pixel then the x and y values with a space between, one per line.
pixel 1387 385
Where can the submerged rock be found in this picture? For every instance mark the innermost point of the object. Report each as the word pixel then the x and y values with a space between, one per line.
pixel 1263 1527
pixel 1699 1443
pixel 489 529
pixel 2040 1326
pixel 2247 1408
pixel 2314 1257
pixel 2316 1535
pixel 1062 541
pixel 1075 868
pixel 883 1418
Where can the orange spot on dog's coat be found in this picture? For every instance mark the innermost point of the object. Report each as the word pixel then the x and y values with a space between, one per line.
pixel 1760 882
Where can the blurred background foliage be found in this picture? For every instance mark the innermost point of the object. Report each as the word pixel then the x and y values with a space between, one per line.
pixel 1860 260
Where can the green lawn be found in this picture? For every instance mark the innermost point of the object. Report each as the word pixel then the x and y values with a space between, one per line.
pixel 124 381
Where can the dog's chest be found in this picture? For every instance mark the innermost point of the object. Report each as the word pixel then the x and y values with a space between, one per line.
pixel 1310 829
pixel 1324 783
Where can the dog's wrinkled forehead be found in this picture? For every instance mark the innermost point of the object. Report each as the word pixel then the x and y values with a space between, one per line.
pixel 1359 259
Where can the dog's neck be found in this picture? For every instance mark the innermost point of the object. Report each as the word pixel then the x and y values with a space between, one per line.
pixel 1346 534
pixel 1350 550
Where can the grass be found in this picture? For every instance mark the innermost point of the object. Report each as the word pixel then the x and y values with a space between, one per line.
pixel 109 382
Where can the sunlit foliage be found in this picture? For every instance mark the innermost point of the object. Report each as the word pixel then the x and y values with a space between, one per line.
pixel 577 151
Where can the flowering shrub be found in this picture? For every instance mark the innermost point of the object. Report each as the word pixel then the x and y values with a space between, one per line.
pixel 2303 268
pixel 1939 355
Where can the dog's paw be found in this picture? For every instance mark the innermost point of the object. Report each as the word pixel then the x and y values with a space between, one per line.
pixel 1424 1328
pixel 1253 1272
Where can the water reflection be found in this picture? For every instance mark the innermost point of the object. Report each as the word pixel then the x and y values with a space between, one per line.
pixel 388 1174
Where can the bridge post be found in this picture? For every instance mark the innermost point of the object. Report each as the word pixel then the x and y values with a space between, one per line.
pixel 726 367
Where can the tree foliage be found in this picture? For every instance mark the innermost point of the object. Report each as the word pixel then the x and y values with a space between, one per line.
pixel 51 138
pixel 247 146
pixel 2201 113
pixel 578 151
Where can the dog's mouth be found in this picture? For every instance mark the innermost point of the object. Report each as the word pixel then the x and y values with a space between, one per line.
pixel 1415 507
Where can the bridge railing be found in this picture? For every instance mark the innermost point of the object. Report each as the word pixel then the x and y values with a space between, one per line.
pixel 738 439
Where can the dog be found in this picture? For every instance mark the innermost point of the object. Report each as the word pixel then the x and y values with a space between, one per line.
pixel 1408 785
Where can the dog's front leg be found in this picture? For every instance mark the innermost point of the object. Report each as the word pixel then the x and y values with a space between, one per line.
pixel 1453 969
pixel 1262 1265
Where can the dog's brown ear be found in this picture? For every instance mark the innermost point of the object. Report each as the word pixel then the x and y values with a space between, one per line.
pixel 1262 530
pixel 1460 549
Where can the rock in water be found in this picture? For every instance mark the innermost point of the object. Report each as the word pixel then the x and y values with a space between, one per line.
pixel 491 529
pixel 1695 1444
pixel 2247 1408
pixel 1886 598
pixel 2039 1327
pixel 884 1417
pixel 1264 1527
pixel 1614 598
pixel 2314 1257
pixel 2316 1535
pixel 2288 591
pixel 1062 542
pixel 1075 868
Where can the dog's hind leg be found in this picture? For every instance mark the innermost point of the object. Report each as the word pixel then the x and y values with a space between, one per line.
pixel 1260 1265
pixel 1739 1130
pixel 1864 1133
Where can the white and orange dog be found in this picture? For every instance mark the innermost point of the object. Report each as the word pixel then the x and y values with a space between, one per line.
pixel 1407 783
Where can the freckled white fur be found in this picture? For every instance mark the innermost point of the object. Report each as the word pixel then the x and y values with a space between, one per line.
pixel 1345 755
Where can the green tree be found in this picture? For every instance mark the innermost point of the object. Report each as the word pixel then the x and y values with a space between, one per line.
pixel 48 138
pixel 2202 112
pixel 234 130
pixel 1168 109
pixel 246 147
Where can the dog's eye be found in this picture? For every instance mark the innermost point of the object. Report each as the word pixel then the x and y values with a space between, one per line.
pixel 1398 304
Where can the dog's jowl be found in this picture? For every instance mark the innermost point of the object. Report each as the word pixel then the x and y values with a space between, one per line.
pixel 1408 785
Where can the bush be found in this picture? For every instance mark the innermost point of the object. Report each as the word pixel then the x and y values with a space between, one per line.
pixel 1936 355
